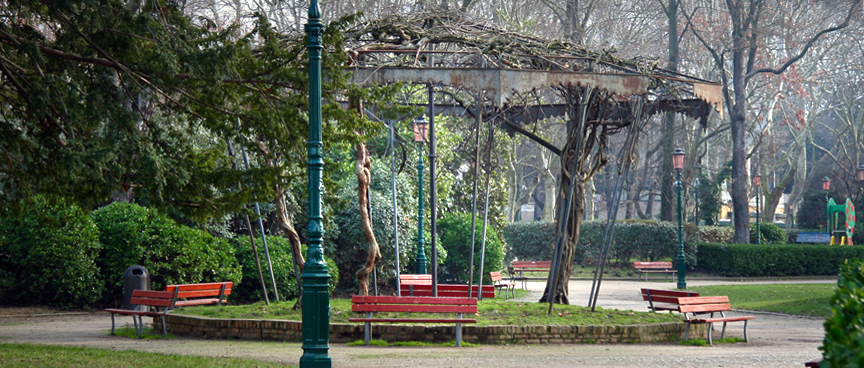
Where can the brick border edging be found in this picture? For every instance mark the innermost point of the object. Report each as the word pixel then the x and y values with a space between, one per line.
pixel 284 330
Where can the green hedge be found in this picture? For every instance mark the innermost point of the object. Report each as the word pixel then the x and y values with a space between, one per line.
pixel 751 260
pixel 171 253
pixel 48 256
pixel 844 330
pixel 455 230
pixel 530 240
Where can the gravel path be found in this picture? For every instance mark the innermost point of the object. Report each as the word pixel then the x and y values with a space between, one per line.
pixel 776 341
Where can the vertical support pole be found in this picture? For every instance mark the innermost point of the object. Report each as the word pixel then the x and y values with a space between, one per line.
pixel 316 296
pixel 479 118
pixel 395 208
pixel 263 236
pixel 682 267
pixel 421 253
pixel 758 230
pixel 433 190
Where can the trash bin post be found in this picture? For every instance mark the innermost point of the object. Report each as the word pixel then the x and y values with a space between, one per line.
pixel 135 278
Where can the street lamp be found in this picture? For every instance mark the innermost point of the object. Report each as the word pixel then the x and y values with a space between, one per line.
pixel 696 195
pixel 420 131
pixel 826 186
pixel 757 184
pixel 678 164
pixel 316 297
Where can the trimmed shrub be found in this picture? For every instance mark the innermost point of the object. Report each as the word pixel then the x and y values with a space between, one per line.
pixel 639 240
pixel 752 260
pixel 771 234
pixel 716 234
pixel 844 330
pixel 48 255
pixel 455 229
pixel 172 253
pixel 530 240
pixel 249 289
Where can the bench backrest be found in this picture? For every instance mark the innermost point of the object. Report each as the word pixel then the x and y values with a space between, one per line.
pixel 665 296
pixel 496 276
pixel 704 304
pixel 446 290
pixel 152 298
pixel 365 304
pixel 652 265
pixel 410 279
pixel 529 265
pixel 216 291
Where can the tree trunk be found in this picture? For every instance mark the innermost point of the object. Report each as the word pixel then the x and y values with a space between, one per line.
pixel 571 238
pixel 738 117
pixel 772 199
pixel 364 177
pixel 667 190
pixel 588 202
pixel 283 221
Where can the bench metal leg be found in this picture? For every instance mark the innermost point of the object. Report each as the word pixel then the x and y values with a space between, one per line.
pixel 687 332
pixel 367 333
pixel 710 329
pixel 140 325
pixel 746 339
pixel 112 323
pixel 458 334
pixel 723 331
pixel 164 329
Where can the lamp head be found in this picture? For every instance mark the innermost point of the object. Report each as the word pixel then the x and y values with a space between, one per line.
pixel 678 159
pixel 861 172
pixel 826 183
pixel 421 129
pixel 757 180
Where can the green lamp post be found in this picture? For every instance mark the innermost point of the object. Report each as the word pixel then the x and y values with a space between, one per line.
pixel 316 296
pixel 678 163
pixel 826 186
pixel 757 185
pixel 420 130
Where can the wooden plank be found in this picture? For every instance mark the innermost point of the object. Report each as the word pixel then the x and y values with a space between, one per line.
pixel 416 320
pixel 487 292
pixel 203 286
pixel 704 308
pixel 703 300
pixel 649 265
pixel 721 319
pixel 151 302
pixel 450 287
pixel 675 293
pixel 186 303
pixel 201 293
pixel 412 300
pixel 414 308
pixel 152 294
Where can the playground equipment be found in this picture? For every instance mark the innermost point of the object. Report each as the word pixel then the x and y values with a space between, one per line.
pixel 838 234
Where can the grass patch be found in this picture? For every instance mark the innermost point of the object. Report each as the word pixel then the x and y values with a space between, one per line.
pixel 799 299
pixel 31 355
pixel 491 312
pixel 147 334
pixel 377 342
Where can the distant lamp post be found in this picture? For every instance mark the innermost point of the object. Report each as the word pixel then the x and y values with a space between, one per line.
pixel 678 164
pixel 826 186
pixel 757 184
pixel 421 129
pixel 696 195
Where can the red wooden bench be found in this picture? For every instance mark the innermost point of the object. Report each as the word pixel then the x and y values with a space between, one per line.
pixel 668 298
pixel 710 304
pixel 446 290
pixel 407 304
pixel 499 283
pixel 148 298
pixel 653 267
pixel 521 267
pixel 412 280
pixel 200 294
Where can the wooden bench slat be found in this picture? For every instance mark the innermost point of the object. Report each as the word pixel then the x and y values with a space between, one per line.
pixel 153 294
pixel 151 301
pixel 704 308
pixel 134 312
pixel 415 320
pixel 187 303
pixel 720 319
pixel 201 293
pixel 703 300
pixel 359 299
pixel 449 293
pixel 203 286
pixel 414 308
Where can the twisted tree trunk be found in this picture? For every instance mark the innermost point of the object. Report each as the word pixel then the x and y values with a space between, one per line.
pixel 362 167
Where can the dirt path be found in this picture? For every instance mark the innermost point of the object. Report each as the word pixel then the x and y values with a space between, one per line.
pixel 776 341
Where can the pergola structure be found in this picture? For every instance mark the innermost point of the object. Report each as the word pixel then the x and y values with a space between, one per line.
pixel 514 80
